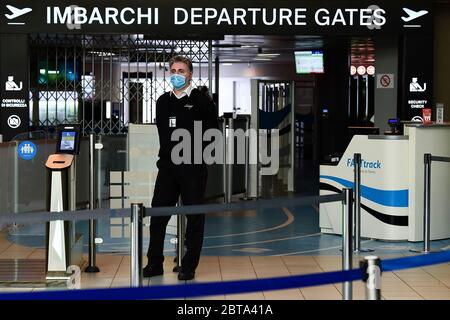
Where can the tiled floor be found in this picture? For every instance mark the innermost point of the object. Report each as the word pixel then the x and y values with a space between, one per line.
pixel 266 232
pixel 421 283
pixel 268 243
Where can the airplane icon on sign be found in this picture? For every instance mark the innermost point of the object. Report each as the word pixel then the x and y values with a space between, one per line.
pixel 16 12
pixel 412 15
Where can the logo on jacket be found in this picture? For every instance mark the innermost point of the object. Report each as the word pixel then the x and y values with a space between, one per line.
pixel 172 122
pixel 189 106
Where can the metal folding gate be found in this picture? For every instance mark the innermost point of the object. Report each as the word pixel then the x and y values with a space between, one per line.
pixel 103 82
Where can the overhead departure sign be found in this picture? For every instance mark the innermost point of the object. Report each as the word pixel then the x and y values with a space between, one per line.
pixel 233 17
pixel 216 16
pixel 278 16
pixel 108 15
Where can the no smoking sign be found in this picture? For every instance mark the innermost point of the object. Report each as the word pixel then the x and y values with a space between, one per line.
pixel 385 81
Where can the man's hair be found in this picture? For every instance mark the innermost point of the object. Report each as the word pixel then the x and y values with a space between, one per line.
pixel 182 59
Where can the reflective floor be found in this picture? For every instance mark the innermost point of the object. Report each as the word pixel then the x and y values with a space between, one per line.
pixel 423 283
pixel 252 245
pixel 242 245
pixel 271 232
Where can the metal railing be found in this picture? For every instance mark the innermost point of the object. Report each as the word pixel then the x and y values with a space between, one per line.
pixel 357 205
pixel 137 214
pixel 136 237
pixel 428 159
pixel 181 234
pixel 92 268
pixel 228 157
pixel 347 230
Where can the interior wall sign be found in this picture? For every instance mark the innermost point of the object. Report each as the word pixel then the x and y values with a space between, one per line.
pixel 417 84
pixel 14 85
pixel 233 17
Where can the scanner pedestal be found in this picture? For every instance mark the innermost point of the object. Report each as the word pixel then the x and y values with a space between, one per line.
pixel 63 246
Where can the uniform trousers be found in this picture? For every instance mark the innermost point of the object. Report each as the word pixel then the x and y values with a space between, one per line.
pixel 189 182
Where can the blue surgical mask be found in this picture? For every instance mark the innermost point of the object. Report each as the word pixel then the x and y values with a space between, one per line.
pixel 178 81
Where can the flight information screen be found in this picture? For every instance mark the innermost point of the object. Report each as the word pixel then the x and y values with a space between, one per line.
pixel 309 62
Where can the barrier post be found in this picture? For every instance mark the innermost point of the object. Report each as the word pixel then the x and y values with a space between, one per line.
pixel 230 156
pixel 372 277
pixel 426 204
pixel 136 244
pixel 210 68
pixel 357 205
pixel 180 238
pixel 347 239
pixel 247 157
pixel 224 168
pixel 91 268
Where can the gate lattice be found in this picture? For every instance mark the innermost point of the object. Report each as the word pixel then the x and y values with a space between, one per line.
pixel 104 82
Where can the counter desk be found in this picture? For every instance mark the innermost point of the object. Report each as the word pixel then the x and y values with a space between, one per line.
pixel 392 172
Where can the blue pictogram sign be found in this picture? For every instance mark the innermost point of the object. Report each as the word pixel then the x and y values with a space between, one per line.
pixel 27 150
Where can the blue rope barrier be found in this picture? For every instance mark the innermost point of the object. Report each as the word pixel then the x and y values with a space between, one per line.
pixel 190 290
pixel 228 287
pixel 415 261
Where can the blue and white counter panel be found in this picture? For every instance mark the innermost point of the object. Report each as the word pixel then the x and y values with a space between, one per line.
pixel 392 184
pixel 384 187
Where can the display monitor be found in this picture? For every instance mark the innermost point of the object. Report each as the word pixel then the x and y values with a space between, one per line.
pixel 309 62
pixel 393 121
pixel 68 140
pixel 395 125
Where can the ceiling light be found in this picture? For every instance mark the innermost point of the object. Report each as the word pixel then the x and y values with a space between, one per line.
pixel 371 70
pixel 361 70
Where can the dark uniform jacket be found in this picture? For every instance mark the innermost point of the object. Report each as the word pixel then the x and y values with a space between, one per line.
pixel 173 113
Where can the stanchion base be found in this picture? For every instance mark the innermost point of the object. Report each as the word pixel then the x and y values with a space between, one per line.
pixel 176 269
pixel 424 252
pixel 247 199
pixel 91 269
pixel 363 250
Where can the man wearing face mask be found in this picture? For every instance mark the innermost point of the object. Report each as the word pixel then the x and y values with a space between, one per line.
pixel 179 109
